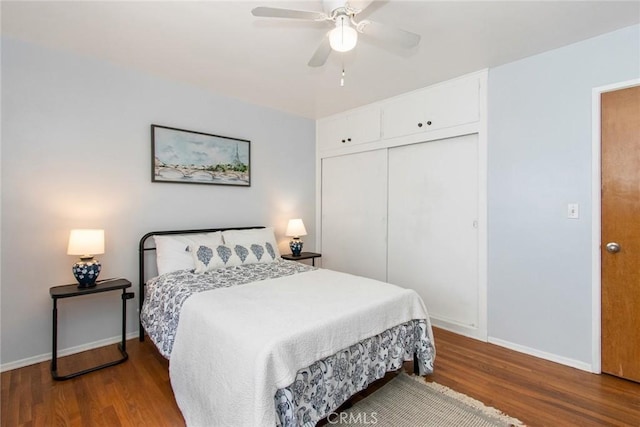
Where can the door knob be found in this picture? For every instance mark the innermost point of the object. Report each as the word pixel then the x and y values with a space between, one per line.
pixel 613 248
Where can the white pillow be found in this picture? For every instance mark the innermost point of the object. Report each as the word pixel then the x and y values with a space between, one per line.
pixel 172 251
pixel 210 257
pixel 260 236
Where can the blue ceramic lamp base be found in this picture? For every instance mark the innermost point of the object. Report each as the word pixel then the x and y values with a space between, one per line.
pixel 296 246
pixel 86 272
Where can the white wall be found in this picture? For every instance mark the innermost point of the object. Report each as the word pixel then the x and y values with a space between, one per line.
pixel 539 160
pixel 76 153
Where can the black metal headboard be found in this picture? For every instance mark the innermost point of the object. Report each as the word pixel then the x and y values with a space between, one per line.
pixel 141 252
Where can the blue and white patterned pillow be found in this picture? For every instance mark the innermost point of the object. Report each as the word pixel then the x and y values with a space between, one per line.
pixel 172 252
pixel 246 238
pixel 208 258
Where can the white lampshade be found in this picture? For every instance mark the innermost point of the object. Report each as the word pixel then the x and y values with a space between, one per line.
pixel 86 242
pixel 343 38
pixel 296 228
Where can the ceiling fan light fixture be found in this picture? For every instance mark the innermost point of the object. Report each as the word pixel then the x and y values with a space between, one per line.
pixel 344 37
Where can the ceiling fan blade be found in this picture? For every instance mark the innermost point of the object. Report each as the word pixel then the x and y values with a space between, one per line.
pixel 387 33
pixel 274 12
pixel 321 54
pixel 360 5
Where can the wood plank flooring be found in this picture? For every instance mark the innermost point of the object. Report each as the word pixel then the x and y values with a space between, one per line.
pixel 536 391
pixel 138 392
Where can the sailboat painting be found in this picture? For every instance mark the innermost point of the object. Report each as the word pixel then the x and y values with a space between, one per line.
pixel 183 156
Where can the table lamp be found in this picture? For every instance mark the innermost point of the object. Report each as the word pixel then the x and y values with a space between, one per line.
pixel 86 243
pixel 296 229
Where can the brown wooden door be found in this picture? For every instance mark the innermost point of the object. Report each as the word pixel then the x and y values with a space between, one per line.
pixel 620 138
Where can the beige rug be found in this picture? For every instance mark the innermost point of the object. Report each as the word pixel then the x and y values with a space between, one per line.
pixel 408 401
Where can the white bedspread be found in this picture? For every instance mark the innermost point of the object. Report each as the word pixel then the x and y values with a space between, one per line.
pixel 236 346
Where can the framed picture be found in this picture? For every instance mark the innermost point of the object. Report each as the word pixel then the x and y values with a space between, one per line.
pixel 184 156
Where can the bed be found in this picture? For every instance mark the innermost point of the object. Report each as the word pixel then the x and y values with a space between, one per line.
pixel 255 340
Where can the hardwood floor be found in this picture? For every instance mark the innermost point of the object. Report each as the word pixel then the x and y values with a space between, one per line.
pixel 138 392
pixel 536 391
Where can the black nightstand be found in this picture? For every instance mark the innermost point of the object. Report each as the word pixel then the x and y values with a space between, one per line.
pixel 303 255
pixel 68 291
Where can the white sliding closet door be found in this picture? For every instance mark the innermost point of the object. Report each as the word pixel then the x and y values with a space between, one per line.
pixel 354 214
pixel 433 235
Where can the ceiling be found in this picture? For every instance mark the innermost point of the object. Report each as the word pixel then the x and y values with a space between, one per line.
pixel 219 46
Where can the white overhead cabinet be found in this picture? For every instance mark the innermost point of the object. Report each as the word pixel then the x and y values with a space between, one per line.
pixel 356 127
pixel 437 107
pixel 408 207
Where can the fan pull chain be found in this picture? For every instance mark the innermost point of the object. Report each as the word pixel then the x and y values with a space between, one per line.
pixel 342 79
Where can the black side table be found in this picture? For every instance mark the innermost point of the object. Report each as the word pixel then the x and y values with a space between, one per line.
pixel 68 291
pixel 303 255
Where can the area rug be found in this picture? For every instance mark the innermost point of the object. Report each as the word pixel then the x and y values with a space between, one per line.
pixel 409 401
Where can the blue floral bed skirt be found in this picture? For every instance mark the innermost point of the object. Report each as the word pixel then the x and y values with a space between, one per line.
pixel 322 387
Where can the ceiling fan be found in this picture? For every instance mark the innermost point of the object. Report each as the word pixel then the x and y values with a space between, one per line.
pixel 342 38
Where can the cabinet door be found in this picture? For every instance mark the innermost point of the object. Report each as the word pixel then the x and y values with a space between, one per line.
pixel 403 116
pixel 363 125
pixel 437 107
pixel 452 104
pixel 356 127
pixel 331 133
pixel 354 213
pixel 433 239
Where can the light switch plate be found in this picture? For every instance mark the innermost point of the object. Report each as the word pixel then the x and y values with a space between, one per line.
pixel 573 211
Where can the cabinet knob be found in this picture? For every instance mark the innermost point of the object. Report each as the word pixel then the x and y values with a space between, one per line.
pixel 343 141
pixel 349 139
pixel 429 123
pixel 419 125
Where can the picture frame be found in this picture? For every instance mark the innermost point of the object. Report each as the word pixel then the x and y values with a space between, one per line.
pixel 189 157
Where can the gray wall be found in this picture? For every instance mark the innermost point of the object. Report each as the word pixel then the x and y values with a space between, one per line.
pixel 539 160
pixel 76 154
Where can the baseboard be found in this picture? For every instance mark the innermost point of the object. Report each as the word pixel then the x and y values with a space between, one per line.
pixel 462 330
pixel 542 354
pixel 459 328
pixel 64 352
